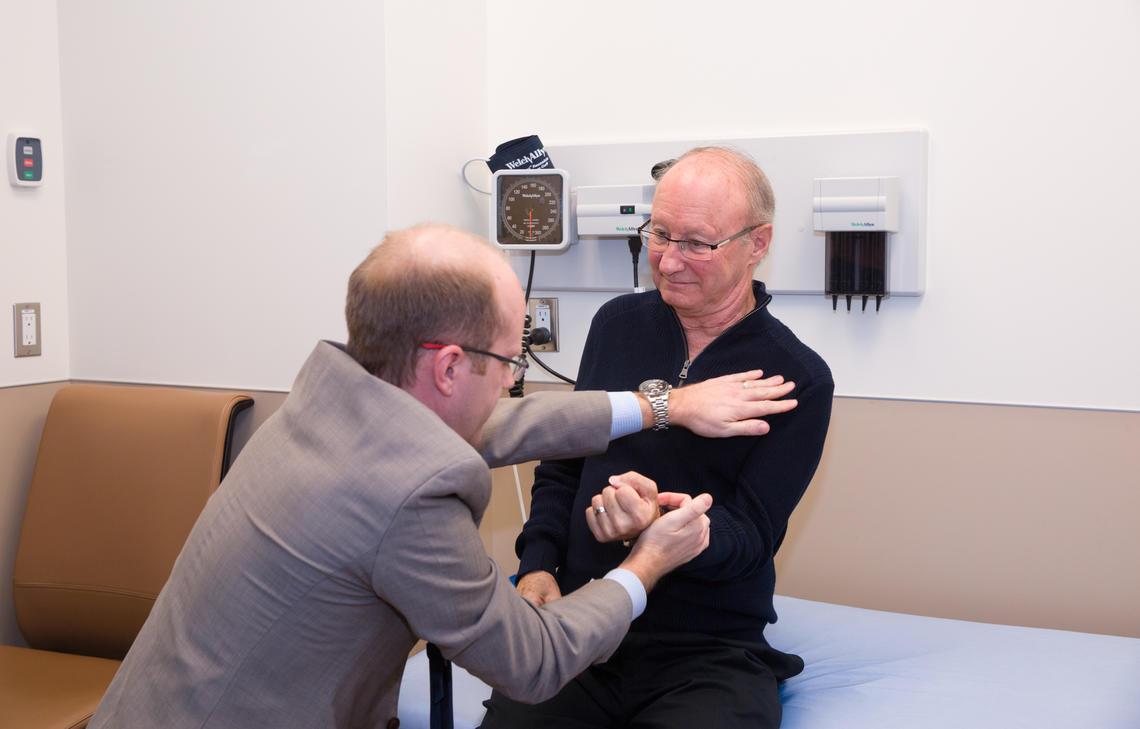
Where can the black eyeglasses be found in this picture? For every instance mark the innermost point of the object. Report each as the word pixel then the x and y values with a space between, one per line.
pixel 694 250
pixel 518 364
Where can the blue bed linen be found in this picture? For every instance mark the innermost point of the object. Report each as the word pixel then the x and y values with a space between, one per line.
pixel 869 669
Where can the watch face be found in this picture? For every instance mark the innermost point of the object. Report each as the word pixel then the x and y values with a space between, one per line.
pixel 653 387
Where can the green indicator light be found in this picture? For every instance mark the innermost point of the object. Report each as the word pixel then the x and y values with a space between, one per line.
pixel 29 175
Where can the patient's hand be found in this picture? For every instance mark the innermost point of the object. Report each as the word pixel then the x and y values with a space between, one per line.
pixel 539 587
pixel 631 505
pixel 730 405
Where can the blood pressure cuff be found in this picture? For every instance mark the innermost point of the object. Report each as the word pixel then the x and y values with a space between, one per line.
pixel 520 154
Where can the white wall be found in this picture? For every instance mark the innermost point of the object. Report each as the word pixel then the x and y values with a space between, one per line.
pixel 1032 114
pixel 32 232
pixel 437 109
pixel 227 170
pixel 232 162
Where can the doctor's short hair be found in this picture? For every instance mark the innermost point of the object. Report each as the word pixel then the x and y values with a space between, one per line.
pixel 761 198
pixel 401 297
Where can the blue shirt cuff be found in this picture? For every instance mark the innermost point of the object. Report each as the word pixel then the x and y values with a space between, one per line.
pixel 626 414
pixel 633 586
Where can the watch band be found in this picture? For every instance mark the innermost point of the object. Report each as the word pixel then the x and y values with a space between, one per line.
pixel 657 393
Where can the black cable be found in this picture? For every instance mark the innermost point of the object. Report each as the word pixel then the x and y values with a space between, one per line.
pixel 543 365
pixel 530 277
pixel 635 251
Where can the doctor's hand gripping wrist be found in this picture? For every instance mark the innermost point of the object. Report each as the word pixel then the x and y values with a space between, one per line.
pixel 672 540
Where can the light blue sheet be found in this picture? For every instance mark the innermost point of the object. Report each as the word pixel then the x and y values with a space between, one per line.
pixel 868 669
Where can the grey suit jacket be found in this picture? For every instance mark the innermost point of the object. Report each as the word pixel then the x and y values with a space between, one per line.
pixel 346 529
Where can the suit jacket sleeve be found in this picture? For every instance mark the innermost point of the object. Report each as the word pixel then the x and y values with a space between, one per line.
pixel 453 595
pixel 546 425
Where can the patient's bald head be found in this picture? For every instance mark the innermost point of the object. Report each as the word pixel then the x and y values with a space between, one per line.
pixel 429 283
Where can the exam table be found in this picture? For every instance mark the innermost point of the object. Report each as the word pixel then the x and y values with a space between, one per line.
pixel 870 668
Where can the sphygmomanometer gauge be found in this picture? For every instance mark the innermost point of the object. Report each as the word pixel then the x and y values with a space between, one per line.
pixel 529 209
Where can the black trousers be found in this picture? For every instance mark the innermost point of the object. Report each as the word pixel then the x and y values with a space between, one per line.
pixel 686 681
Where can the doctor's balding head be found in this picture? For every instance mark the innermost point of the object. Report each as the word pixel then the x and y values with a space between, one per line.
pixel 429 283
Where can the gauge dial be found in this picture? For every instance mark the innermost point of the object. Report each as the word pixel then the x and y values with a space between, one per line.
pixel 529 209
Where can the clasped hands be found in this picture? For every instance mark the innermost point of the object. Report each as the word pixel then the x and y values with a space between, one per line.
pixel 627 505
pixel 669 539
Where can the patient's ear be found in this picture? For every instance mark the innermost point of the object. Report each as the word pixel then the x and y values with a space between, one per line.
pixel 760 238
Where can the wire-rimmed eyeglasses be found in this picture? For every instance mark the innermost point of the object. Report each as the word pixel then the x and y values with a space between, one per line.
pixel 518 364
pixel 694 250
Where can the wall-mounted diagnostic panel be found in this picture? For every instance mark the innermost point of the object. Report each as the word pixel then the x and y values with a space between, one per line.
pixel 25 160
pixel 613 187
pixel 529 210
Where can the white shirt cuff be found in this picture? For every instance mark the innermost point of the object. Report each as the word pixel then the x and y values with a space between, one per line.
pixel 633 586
pixel 626 415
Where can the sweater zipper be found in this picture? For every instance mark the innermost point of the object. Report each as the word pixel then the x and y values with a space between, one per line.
pixel 685 340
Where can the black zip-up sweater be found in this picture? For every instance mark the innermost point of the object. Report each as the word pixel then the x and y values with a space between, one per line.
pixel 755 482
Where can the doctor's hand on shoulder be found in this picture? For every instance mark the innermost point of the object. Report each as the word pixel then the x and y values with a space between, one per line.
pixel 729 405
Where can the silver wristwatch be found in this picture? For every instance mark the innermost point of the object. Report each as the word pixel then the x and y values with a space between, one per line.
pixel 657 393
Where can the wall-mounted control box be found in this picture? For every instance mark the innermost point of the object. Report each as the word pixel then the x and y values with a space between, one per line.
pixel 25 160
pixel 612 211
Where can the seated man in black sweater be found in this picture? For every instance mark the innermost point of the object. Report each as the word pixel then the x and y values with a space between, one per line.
pixel 697 657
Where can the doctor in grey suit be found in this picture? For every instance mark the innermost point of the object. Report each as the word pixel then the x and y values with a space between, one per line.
pixel 347 527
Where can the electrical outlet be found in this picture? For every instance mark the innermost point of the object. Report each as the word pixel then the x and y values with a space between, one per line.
pixel 544 314
pixel 26 329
